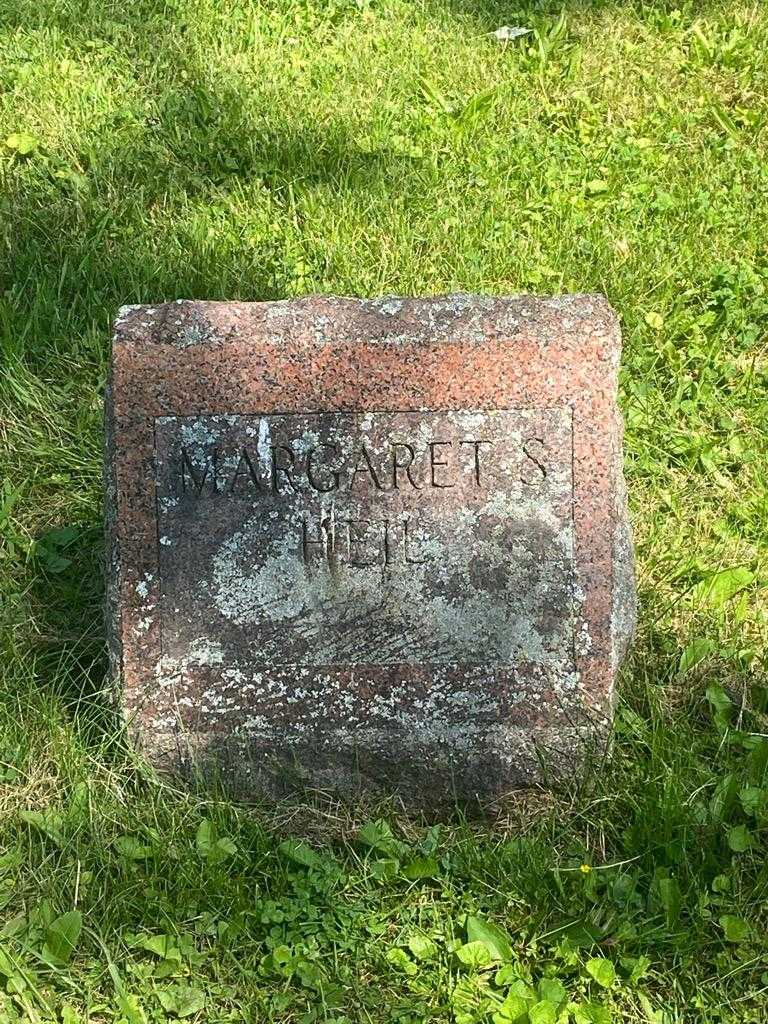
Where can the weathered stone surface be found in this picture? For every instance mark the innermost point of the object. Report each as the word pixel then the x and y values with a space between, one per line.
pixel 378 543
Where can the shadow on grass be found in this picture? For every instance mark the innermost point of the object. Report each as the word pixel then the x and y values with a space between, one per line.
pixel 66 598
pixel 82 243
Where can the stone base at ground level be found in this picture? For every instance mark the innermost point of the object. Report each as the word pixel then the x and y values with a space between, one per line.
pixel 427 772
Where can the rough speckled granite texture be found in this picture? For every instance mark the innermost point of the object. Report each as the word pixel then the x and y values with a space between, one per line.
pixel 378 544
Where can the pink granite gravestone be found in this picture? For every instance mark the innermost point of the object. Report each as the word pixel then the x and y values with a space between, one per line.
pixel 368 543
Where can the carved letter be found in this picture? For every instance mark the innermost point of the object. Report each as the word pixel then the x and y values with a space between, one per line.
pixel 198 477
pixel 277 468
pixel 367 468
pixel 532 475
pixel 325 543
pixel 353 541
pixel 403 465
pixel 433 462
pixel 476 445
pixel 409 560
pixel 387 550
pixel 246 468
pixel 311 477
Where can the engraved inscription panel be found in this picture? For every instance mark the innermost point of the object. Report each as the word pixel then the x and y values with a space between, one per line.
pixel 382 538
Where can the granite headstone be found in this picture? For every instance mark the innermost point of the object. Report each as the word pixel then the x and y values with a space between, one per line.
pixel 368 543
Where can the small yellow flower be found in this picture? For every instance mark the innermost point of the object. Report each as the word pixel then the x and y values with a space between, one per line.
pixel 585 869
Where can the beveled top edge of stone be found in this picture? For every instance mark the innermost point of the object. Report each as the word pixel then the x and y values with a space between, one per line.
pixel 388 319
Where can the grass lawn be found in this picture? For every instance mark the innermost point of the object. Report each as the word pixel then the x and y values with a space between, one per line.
pixel 151 150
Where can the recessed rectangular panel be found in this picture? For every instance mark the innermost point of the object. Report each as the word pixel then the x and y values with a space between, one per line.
pixel 376 538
